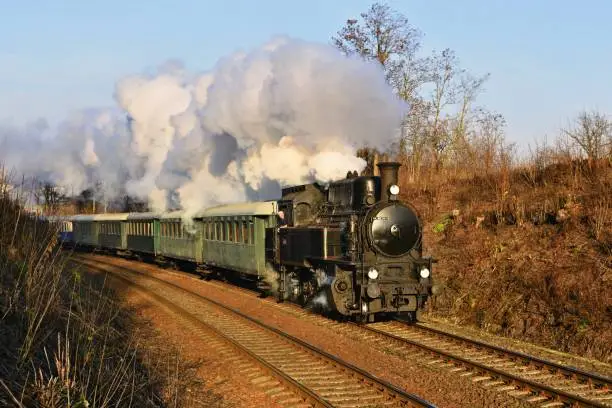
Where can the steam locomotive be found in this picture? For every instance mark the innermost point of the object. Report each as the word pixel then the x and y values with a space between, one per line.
pixel 352 248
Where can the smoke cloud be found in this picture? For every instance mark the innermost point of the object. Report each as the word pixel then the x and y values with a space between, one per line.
pixel 288 112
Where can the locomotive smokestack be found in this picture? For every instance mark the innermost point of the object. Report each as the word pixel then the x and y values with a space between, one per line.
pixel 389 172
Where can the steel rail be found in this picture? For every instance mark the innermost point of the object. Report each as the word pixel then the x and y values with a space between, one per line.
pixel 542 364
pixel 390 391
pixel 550 365
pixel 552 393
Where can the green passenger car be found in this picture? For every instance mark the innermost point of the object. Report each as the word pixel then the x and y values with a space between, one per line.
pixel 226 236
pixel 179 240
pixel 234 235
pixel 142 232
pixel 85 231
pixel 111 230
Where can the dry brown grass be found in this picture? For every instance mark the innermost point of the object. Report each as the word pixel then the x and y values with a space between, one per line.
pixel 66 341
pixel 528 253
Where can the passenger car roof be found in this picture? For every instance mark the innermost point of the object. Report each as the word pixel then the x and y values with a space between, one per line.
pixel 253 208
pixel 250 208
pixel 143 216
pixel 111 217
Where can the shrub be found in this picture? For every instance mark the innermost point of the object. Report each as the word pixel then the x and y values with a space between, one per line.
pixel 66 340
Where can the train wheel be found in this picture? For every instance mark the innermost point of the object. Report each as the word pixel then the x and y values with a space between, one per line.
pixel 361 319
pixel 411 317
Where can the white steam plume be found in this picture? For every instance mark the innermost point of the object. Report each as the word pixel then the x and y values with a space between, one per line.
pixel 289 112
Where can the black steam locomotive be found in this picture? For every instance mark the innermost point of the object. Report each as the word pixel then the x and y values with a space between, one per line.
pixel 353 249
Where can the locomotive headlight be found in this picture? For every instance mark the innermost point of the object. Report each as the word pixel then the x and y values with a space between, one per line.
pixel 373 273
pixel 424 273
pixel 394 189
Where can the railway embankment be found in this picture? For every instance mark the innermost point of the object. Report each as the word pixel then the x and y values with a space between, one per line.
pixel 67 341
pixel 408 370
pixel 524 252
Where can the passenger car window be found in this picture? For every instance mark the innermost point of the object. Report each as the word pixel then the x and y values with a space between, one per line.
pixel 238 227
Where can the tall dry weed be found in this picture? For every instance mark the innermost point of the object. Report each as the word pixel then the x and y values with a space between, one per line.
pixel 601 221
pixel 65 341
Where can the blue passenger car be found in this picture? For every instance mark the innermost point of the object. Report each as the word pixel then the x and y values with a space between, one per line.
pixel 64 226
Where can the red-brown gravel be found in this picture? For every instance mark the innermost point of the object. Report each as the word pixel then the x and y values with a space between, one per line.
pixel 221 385
pixel 582 363
pixel 433 384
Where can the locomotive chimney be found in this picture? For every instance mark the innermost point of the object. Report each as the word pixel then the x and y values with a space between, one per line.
pixel 388 176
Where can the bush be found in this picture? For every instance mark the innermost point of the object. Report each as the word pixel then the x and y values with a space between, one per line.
pixel 66 341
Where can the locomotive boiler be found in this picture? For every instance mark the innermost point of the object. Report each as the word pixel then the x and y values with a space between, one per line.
pixel 352 248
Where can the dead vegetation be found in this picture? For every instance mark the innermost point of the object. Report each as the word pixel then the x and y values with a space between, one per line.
pixel 524 249
pixel 66 342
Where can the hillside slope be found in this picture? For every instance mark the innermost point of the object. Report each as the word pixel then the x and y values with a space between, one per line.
pixel 525 253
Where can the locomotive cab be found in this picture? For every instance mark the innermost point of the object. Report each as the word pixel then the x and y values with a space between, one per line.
pixel 355 193
pixel 300 204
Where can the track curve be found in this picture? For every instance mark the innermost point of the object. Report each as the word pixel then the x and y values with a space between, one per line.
pixel 321 379
pixel 527 378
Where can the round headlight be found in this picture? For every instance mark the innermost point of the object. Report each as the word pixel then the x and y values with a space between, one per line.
pixel 372 273
pixel 424 273
pixel 394 189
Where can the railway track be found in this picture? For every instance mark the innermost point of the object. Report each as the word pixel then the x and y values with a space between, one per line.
pixel 530 378
pixel 317 378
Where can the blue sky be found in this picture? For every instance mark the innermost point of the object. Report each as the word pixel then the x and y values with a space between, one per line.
pixel 547 59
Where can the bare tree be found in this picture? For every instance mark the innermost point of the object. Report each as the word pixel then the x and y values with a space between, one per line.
pixel 488 139
pixel 436 123
pixel 383 35
pixel 415 133
pixel 47 195
pixel 408 76
pixel 84 201
pixel 52 196
pixel 443 71
pixel 468 89
pixel 100 202
pixel 593 133
pixel 386 36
